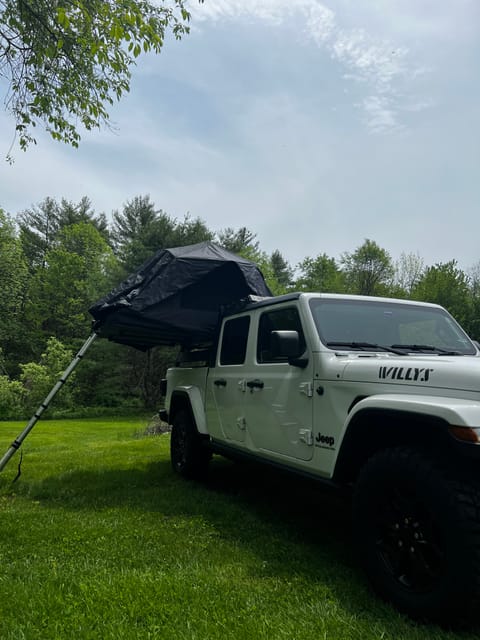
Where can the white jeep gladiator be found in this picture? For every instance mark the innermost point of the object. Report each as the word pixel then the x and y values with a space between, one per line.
pixel 375 394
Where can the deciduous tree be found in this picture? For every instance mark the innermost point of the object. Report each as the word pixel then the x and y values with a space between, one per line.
pixel 77 272
pixel 13 279
pixel 409 269
pixel 368 270
pixel 320 274
pixel 446 284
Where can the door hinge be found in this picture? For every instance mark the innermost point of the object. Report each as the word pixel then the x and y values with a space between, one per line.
pixel 306 388
pixel 241 423
pixel 305 435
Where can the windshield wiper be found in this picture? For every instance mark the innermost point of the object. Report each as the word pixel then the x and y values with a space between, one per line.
pixel 427 347
pixel 365 346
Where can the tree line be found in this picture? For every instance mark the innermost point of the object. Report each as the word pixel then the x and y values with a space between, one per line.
pixel 58 257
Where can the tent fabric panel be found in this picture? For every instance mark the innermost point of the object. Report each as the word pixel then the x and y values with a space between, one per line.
pixel 176 296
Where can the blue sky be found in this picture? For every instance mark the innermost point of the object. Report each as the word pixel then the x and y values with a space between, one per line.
pixel 316 124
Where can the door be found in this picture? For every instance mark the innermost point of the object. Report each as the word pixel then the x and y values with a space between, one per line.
pixel 278 404
pixel 226 382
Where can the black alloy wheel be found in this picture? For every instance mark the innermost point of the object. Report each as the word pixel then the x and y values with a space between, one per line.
pixel 409 541
pixel 417 529
pixel 189 451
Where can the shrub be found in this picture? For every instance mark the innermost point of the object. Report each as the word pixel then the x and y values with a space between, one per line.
pixel 11 397
pixel 38 379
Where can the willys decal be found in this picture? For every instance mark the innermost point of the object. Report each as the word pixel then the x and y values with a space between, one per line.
pixel 402 373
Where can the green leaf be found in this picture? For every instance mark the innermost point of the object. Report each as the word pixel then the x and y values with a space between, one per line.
pixel 62 18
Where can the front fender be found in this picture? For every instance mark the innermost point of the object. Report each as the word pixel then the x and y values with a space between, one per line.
pixel 397 419
pixel 454 411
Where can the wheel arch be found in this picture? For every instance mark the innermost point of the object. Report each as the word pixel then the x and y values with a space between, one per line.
pixel 384 420
pixel 190 399
pixel 372 429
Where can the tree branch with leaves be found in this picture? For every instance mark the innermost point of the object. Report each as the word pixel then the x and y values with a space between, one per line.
pixel 66 61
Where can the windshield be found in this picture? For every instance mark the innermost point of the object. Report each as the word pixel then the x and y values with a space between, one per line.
pixel 414 328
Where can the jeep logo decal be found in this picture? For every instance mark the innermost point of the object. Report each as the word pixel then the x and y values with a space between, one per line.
pixel 401 373
pixel 326 442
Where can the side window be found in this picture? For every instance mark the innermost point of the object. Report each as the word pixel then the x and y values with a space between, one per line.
pixel 281 319
pixel 234 341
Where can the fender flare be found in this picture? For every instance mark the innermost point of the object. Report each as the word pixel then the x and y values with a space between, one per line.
pixel 393 419
pixel 453 411
pixel 193 396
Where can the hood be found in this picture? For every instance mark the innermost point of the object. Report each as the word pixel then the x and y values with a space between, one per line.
pixel 447 373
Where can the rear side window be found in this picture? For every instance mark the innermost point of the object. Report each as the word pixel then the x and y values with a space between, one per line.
pixel 280 319
pixel 234 341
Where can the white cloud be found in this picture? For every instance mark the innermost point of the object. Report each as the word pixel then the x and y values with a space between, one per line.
pixel 379 114
pixel 378 63
pixel 271 10
pixel 320 22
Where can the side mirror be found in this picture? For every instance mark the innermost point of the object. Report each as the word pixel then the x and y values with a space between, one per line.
pixel 286 344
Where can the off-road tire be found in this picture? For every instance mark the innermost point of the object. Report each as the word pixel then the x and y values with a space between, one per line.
pixel 417 527
pixel 189 451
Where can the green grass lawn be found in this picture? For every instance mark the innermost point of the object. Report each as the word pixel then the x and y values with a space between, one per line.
pixel 98 539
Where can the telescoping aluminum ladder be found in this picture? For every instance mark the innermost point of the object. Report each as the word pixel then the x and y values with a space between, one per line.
pixel 16 444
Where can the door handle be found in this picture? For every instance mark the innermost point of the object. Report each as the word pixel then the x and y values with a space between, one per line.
pixel 220 383
pixel 255 384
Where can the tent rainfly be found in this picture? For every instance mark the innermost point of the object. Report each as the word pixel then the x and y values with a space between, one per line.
pixel 176 297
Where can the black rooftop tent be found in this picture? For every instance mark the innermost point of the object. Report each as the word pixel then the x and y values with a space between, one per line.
pixel 176 297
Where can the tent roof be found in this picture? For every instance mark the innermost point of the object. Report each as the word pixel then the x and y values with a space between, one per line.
pixel 176 297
